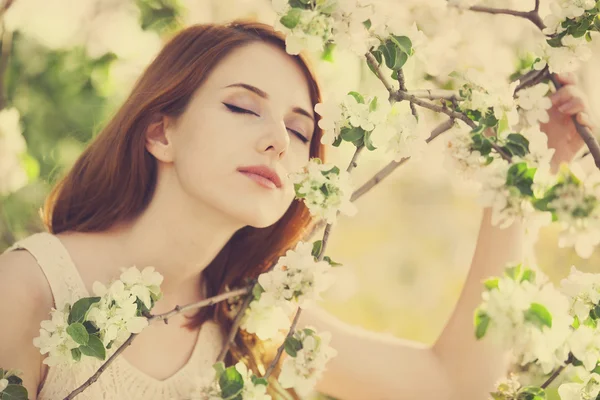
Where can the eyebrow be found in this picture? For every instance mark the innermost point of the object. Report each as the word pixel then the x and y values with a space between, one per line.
pixel 264 95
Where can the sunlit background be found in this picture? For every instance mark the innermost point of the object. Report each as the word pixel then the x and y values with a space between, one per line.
pixel 67 65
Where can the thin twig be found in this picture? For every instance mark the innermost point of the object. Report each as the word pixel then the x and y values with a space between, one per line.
pixel 234 328
pixel 203 303
pixel 557 372
pixel 400 96
pixel 325 239
pixel 159 317
pixel 532 79
pixel 402 84
pixel 280 349
pixel 373 62
pixel 532 15
pixel 102 368
pixel 583 131
pixel 433 94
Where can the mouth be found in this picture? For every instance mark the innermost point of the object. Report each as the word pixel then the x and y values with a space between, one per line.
pixel 262 175
pixel 261 180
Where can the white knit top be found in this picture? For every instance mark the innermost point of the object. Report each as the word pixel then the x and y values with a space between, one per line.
pixel 121 381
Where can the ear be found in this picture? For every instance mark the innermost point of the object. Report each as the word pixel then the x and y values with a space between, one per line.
pixel 158 138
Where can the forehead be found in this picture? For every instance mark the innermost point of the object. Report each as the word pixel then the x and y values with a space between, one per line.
pixel 267 67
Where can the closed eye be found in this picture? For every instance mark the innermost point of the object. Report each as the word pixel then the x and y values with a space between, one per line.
pixel 239 110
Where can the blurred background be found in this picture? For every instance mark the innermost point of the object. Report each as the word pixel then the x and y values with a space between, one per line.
pixel 66 66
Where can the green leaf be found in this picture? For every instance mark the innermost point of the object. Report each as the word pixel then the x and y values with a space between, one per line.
pixel 258 381
pixel 317 246
pixel 588 36
pixel 331 262
pixel 491 283
pixel 351 134
pixel 14 392
pixel 292 18
pixel 231 382
pixel 482 322
pixel 219 367
pixel 514 273
pixel 257 290
pixel 76 353
pixel 359 98
pixel 80 309
pixel 328 52
pixel 528 275
pixel 367 24
pixel 292 346
pixel 531 393
pixel 373 104
pixel 337 141
pixel 519 139
pixel 94 348
pixel 90 327
pixel 78 332
pixel 389 51
pixel 539 315
pixel 403 43
pixel 369 142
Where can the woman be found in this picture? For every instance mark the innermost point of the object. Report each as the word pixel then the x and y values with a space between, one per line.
pixel 162 185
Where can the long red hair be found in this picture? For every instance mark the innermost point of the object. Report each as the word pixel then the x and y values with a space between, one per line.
pixel 114 179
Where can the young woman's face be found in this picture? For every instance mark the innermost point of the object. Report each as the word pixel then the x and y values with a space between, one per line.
pixel 269 121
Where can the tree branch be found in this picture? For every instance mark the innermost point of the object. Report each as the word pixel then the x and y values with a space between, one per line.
pixel 532 15
pixel 164 317
pixel 236 324
pixel 583 131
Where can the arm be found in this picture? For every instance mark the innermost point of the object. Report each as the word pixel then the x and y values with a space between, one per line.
pixel 376 366
pixel 25 299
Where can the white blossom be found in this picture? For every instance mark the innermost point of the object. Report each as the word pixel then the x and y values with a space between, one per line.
pixel 459 155
pixel 583 290
pixel 266 317
pixel 566 58
pixel 587 390
pixel 560 10
pixel 55 340
pixel 298 277
pixel 3 384
pixel 303 371
pixel 116 313
pixel 584 343
pixel 399 135
pixel 313 30
pixel 534 102
pixel 506 307
pixel 251 391
pixel 576 207
pixel 325 191
pixel 482 92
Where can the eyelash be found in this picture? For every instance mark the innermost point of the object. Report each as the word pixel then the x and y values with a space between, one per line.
pixel 239 110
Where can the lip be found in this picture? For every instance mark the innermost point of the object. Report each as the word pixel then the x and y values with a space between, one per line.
pixel 260 173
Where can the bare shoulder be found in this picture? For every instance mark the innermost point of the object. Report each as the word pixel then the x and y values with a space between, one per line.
pixel 25 301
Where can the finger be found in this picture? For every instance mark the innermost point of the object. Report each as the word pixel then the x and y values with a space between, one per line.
pixel 572 106
pixel 567 78
pixel 565 94
pixel 584 119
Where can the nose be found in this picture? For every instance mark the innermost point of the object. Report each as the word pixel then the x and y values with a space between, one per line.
pixel 275 140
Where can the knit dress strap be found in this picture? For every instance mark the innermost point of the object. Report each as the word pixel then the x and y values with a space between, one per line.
pixel 64 279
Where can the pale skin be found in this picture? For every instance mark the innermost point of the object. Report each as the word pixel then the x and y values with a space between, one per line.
pixel 201 200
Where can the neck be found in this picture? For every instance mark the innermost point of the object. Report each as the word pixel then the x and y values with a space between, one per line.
pixel 179 237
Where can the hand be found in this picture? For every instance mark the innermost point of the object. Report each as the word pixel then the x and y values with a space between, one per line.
pixel 562 135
